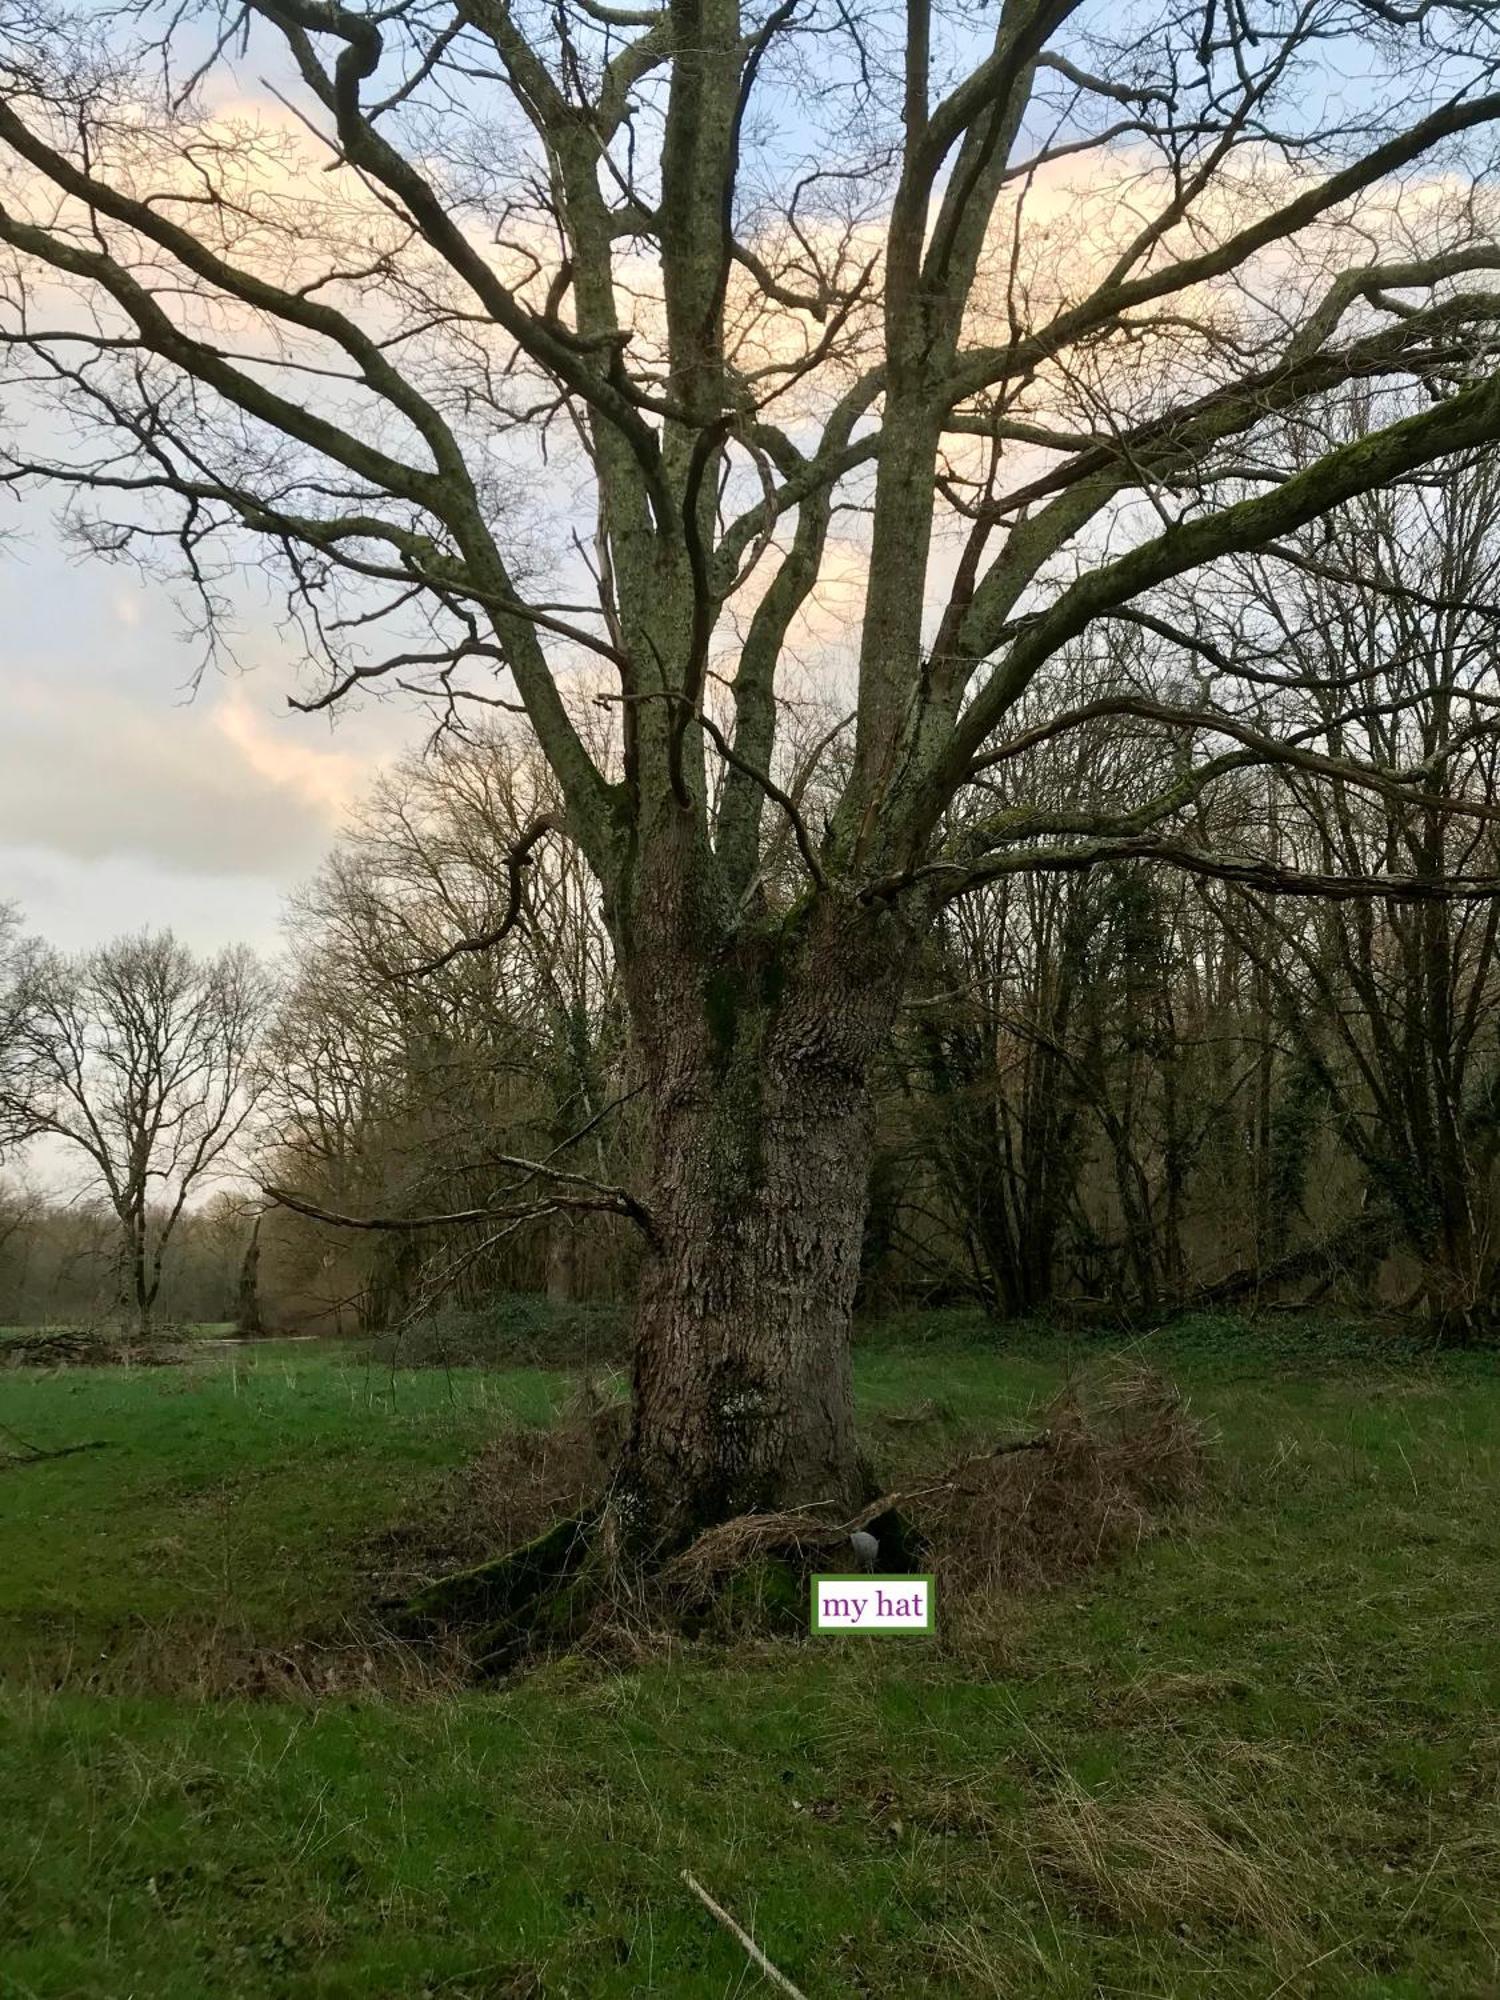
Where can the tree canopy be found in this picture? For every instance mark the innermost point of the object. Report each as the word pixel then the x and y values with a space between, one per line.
pixel 576 349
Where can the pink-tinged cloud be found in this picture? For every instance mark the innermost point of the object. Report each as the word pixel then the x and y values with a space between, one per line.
pixel 213 787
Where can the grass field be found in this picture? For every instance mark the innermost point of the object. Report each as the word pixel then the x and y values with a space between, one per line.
pixel 1259 1757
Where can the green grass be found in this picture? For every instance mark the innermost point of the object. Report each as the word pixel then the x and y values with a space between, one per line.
pixel 228 1494
pixel 1261 1756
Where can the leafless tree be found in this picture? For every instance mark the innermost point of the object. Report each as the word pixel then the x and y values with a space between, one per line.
pixel 1077 1058
pixel 21 1208
pixel 138 1056
pixel 583 348
pixel 13 1123
pixel 400 1095
pixel 1387 622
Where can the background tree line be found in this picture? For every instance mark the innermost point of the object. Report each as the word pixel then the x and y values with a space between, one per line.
pixel 1121 1088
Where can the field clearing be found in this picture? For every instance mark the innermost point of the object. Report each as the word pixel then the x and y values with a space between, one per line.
pixel 1261 1756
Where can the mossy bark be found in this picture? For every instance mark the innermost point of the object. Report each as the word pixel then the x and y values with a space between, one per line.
pixel 494 1594
pixel 760 1136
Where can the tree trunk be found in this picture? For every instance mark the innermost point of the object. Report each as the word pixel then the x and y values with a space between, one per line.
pixel 247 1313
pixel 561 1257
pixel 1458 1301
pixel 138 1297
pixel 760 1136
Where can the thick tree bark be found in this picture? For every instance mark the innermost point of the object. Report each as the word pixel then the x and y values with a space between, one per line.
pixel 761 1134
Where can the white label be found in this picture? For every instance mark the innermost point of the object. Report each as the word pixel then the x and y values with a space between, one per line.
pixel 872 1604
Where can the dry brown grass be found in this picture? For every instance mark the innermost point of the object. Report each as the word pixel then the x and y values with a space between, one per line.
pixel 528 1476
pixel 1160 1859
pixel 1115 1456
pixel 520 1481
pixel 218 1661
pixel 1170 1694
pixel 734 1545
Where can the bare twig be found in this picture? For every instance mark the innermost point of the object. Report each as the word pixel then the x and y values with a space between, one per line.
pixel 600 1198
pixel 516 861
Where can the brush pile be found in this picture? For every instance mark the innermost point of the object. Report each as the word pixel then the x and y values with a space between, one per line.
pixel 1109 1462
pixel 92 1347
pixel 1112 1461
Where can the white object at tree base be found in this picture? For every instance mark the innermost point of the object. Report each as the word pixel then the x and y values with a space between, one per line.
pixel 866 1548
pixel 716 1910
pixel 867 1603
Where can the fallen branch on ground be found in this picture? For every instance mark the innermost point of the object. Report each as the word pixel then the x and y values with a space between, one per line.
pixel 34 1454
pixel 743 1937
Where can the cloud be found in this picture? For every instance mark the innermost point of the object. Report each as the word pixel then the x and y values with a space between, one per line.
pixel 320 779
pixel 76 904
pixel 211 788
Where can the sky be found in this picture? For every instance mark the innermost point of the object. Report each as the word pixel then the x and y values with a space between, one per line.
pixel 129 801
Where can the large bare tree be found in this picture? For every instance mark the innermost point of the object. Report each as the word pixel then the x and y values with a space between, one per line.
pixel 398 1096
pixel 138 1056
pixel 585 347
pixel 1387 621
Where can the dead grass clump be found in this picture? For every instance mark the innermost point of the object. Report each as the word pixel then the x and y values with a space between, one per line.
pixel 1109 1462
pixel 1169 1695
pixel 363 1659
pixel 1162 1860
pixel 527 1477
pixel 733 1546
pixel 521 1480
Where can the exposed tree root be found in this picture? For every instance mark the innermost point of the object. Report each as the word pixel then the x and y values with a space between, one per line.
pixel 504 1601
